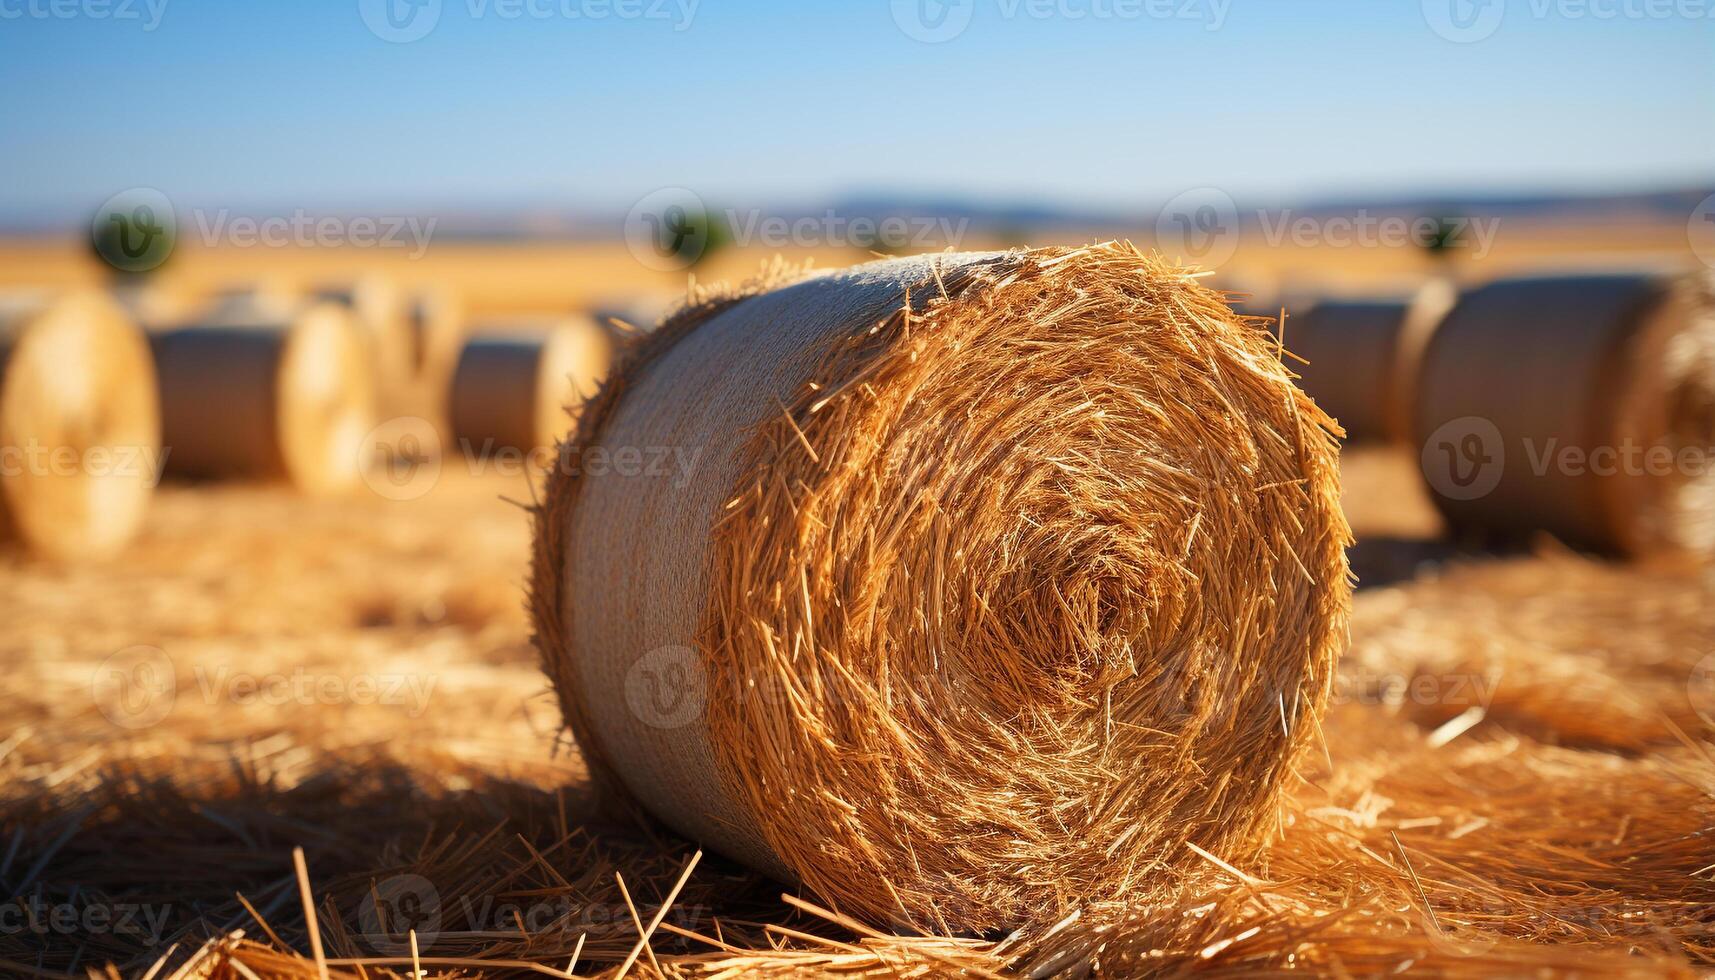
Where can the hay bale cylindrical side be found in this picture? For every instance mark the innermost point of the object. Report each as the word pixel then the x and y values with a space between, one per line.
pixel 518 382
pixel 1360 357
pixel 962 590
pixel 290 399
pixel 1581 406
pixel 79 425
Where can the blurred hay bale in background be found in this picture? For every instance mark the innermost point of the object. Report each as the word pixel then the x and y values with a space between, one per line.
pixel 1359 358
pixel 1583 406
pixel 253 394
pixel 518 381
pixel 80 428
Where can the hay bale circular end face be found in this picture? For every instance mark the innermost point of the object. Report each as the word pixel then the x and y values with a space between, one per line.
pixel 976 605
pixel 291 398
pixel 1583 406
pixel 79 424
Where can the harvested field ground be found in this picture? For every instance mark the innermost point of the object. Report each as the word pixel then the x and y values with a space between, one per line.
pixel 1517 741
pixel 1518 771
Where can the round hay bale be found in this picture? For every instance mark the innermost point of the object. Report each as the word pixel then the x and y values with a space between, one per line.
pixel 997 579
pixel 435 326
pixel 518 381
pixel 290 399
pixel 434 329
pixel 1582 406
pixel 1358 358
pixel 383 313
pixel 79 425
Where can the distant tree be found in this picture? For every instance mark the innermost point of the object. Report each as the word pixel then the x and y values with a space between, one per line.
pixel 1445 238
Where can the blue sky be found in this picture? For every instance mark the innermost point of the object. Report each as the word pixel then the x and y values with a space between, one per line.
pixel 297 103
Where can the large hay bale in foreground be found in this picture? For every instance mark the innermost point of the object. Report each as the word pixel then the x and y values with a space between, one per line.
pixel 276 399
pixel 79 425
pixel 1583 406
pixel 998 579
pixel 1359 357
pixel 516 381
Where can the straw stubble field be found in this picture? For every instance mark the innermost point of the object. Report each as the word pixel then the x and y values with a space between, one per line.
pixel 1514 773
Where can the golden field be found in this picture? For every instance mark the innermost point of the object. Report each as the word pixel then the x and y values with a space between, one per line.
pixel 354 675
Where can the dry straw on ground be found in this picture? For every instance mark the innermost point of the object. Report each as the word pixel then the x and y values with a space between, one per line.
pixel 1600 391
pixel 1479 849
pixel 516 381
pixel 1000 577
pixel 262 394
pixel 80 430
